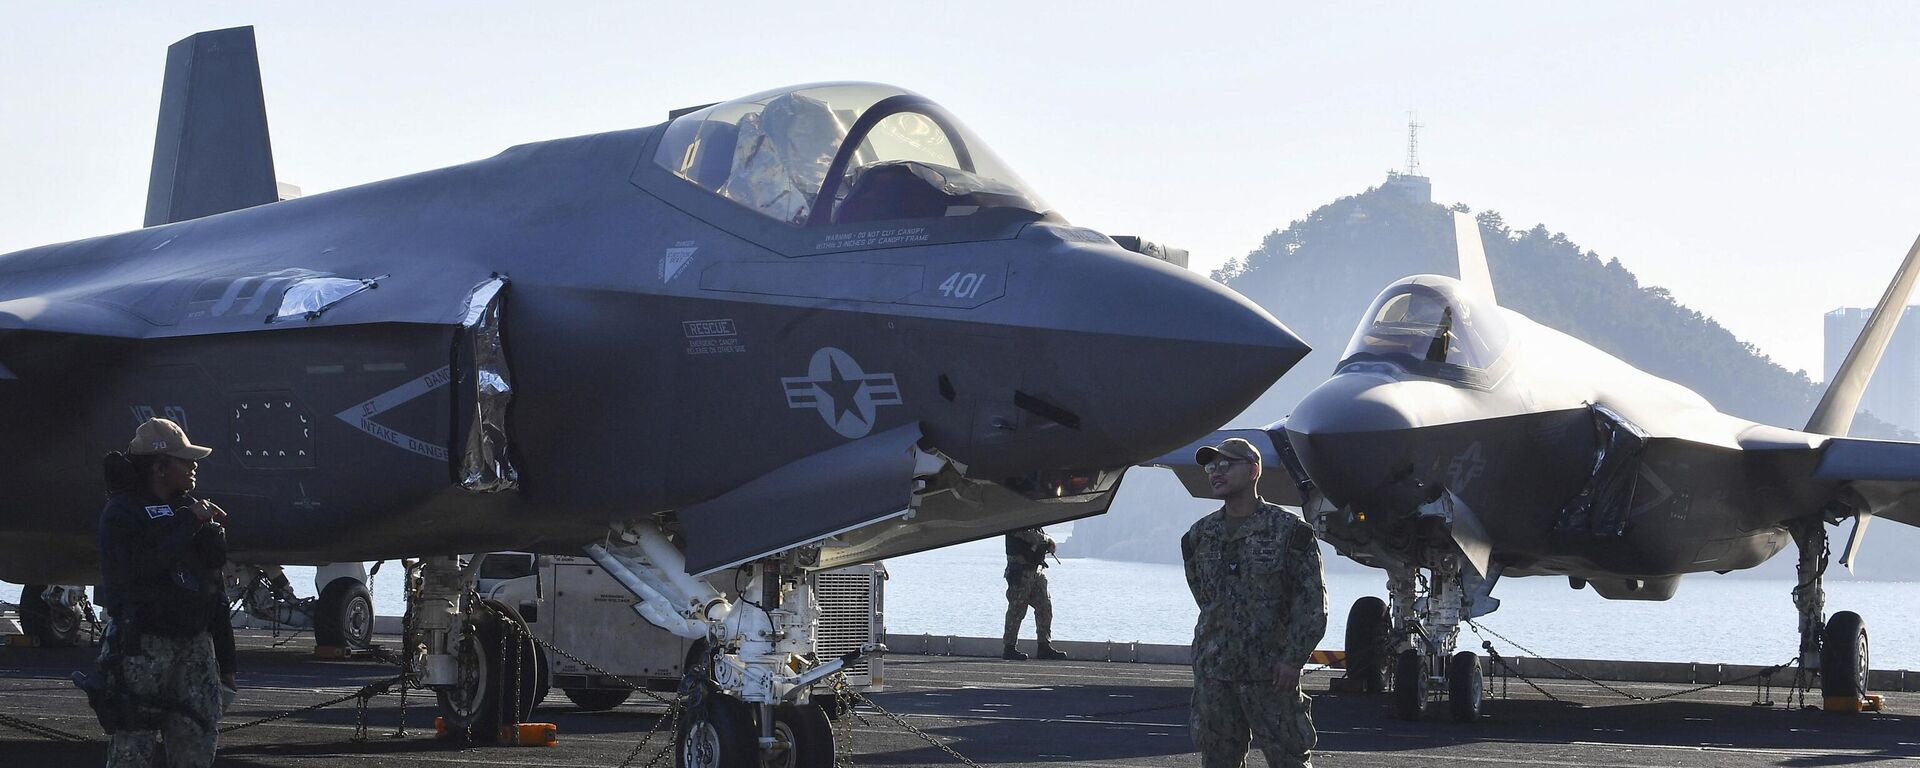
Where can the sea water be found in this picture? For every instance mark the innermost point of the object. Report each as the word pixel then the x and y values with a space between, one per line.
pixel 1719 619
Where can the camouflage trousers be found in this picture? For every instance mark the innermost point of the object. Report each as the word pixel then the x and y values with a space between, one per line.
pixel 1225 711
pixel 1028 589
pixel 175 670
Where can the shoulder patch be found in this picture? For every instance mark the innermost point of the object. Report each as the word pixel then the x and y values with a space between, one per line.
pixel 1301 537
pixel 159 511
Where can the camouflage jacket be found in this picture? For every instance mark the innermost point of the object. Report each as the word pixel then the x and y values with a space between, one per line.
pixel 1027 549
pixel 1261 594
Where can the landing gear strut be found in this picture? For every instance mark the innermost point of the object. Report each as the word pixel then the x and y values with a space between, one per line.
pixel 1430 627
pixel 749 695
pixel 479 658
pixel 1836 648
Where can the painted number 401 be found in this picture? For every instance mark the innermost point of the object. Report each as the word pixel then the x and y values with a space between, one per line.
pixel 962 285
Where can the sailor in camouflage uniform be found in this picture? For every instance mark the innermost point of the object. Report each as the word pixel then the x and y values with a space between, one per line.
pixel 1254 569
pixel 160 553
pixel 1027 551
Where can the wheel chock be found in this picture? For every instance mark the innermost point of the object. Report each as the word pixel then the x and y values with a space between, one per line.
pixel 22 641
pixel 530 735
pixel 1871 702
pixel 331 652
pixel 521 735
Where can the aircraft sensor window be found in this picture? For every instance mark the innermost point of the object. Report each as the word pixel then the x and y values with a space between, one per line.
pixel 840 153
pixel 1428 323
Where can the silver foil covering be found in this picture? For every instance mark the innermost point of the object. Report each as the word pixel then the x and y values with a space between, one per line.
pixel 311 296
pixel 484 464
pixel 781 157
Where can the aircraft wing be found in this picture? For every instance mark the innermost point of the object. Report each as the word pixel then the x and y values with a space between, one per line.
pixel 1878 478
pixel 1885 473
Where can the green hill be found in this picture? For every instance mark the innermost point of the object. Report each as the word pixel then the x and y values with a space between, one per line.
pixel 1319 274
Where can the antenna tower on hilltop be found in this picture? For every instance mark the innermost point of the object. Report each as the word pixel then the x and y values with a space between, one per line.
pixel 1413 146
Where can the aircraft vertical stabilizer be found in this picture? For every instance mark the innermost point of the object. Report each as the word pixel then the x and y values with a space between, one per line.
pixel 211 153
pixel 1474 272
pixel 1834 414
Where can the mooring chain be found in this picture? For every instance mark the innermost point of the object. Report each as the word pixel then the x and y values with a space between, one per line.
pixel 671 717
pixel 367 691
pixel 1765 674
pixel 1487 645
pixel 43 731
pixel 672 720
pixel 1550 662
pixel 927 737
pixel 595 668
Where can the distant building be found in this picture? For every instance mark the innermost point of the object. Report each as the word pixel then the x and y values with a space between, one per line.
pixel 1894 393
pixel 1416 188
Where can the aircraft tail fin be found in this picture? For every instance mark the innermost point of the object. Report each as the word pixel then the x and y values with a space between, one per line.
pixel 1472 255
pixel 211 153
pixel 1834 414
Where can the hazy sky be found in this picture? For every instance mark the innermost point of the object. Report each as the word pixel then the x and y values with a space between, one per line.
pixel 1757 159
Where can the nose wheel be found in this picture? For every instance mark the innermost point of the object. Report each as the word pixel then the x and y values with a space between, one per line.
pixel 724 732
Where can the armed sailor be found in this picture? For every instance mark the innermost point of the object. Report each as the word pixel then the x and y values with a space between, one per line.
pixel 160 553
pixel 1027 551
pixel 1254 569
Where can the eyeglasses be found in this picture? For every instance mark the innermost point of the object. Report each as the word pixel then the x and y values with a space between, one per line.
pixel 1223 464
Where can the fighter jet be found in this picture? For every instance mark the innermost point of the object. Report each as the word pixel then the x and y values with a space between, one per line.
pixel 805 328
pixel 1461 438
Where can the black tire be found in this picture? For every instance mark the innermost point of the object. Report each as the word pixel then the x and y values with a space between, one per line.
pixel 596 699
pixel 544 683
pixel 809 733
pixel 1368 643
pixel 343 616
pixel 1410 685
pixel 718 734
pixel 479 704
pixel 1844 659
pixel 55 626
pixel 1465 688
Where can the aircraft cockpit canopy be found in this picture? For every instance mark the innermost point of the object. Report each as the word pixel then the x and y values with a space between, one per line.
pixel 839 153
pixel 1431 326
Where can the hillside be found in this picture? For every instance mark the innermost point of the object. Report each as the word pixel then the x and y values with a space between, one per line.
pixel 1319 273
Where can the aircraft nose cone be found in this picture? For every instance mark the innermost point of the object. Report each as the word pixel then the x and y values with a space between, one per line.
pixel 1148 356
pixel 1350 434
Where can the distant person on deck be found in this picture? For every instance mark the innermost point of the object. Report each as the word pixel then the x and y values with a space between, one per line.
pixel 1027 551
pixel 1254 569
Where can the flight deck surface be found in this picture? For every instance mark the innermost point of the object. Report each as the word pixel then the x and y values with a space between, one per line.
pixel 1057 714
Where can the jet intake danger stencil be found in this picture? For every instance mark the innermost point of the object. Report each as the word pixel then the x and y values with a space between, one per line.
pixel 361 416
pixel 845 396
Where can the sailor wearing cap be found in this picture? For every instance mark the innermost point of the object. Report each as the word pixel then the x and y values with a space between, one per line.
pixel 160 554
pixel 1254 569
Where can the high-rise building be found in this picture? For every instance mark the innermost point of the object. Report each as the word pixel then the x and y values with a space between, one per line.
pixel 1893 395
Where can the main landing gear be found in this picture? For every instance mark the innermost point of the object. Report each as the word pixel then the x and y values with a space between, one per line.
pixel 342 616
pixel 1833 647
pixel 58 615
